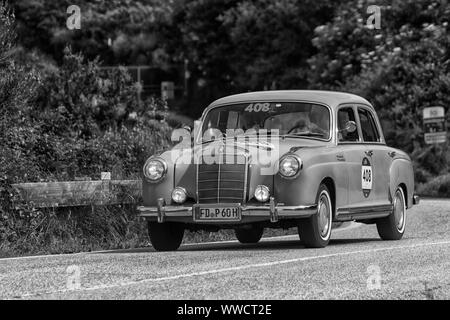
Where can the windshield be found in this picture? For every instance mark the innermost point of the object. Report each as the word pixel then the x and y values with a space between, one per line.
pixel 289 118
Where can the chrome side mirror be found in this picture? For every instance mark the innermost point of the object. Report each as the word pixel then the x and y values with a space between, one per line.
pixel 187 128
pixel 350 127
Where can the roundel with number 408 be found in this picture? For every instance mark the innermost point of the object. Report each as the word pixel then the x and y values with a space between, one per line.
pixel 366 177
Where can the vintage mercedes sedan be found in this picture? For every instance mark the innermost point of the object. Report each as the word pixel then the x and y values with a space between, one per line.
pixel 278 159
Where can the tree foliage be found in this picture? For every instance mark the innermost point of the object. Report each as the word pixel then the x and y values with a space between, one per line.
pixel 401 68
pixel 119 31
pixel 87 99
pixel 271 41
pixel 249 44
pixel 234 46
pixel 18 85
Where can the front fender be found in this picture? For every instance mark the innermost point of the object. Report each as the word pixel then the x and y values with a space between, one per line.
pixel 401 172
pixel 303 189
pixel 152 191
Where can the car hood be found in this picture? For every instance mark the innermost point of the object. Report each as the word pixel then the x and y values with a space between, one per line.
pixel 262 157
pixel 252 149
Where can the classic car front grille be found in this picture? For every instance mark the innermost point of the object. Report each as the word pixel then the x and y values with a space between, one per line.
pixel 222 182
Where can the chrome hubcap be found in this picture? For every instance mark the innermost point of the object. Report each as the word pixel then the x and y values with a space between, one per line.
pixel 399 210
pixel 324 215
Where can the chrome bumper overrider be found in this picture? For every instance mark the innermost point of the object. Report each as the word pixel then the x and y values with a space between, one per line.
pixel 270 210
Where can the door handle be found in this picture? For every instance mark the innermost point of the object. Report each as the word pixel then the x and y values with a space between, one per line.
pixel 369 153
pixel 392 154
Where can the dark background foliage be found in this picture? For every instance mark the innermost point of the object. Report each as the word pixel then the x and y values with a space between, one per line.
pixel 401 68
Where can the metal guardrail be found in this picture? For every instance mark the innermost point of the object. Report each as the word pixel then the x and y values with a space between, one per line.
pixel 80 193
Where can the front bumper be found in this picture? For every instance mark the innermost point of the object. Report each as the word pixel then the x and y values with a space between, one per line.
pixel 270 211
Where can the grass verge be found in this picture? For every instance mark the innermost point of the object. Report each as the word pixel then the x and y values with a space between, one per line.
pixel 438 187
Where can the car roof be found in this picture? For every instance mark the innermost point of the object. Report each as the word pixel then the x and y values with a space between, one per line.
pixel 330 98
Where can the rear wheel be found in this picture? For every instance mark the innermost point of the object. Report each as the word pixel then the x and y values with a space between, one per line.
pixel 252 235
pixel 165 236
pixel 393 226
pixel 315 232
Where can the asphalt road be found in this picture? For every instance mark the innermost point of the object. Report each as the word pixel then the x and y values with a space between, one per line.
pixel 356 264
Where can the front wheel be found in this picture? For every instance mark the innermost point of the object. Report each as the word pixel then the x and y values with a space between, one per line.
pixel 315 232
pixel 165 236
pixel 252 235
pixel 393 226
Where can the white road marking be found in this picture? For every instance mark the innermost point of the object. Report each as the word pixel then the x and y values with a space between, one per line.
pixel 352 225
pixel 237 268
pixel 293 236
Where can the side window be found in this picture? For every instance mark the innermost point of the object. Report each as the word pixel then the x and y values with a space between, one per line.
pixel 345 115
pixel 368 126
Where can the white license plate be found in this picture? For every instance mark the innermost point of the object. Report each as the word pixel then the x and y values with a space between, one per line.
pixel 217 214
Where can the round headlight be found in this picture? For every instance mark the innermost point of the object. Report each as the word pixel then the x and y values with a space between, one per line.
pixel 155 169
pixel 179 195
pixel 289 166
pixel 262 193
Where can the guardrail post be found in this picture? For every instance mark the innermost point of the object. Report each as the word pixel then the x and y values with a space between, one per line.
pixel 106 186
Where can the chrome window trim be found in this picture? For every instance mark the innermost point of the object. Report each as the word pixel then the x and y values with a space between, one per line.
pixel 361 141
pixel 377 124
pixel 358 125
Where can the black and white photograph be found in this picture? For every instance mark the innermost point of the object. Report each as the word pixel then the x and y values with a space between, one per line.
pixel 225 156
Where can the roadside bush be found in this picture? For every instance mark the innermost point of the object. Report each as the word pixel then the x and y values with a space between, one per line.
pixel 438 187
pixel 67 230
pixel 74 120
pixel 81 123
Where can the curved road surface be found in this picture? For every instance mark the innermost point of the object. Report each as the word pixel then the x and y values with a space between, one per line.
pixel 356 264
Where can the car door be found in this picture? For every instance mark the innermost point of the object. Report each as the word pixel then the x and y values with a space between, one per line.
pixel 351 151
pixel 376 161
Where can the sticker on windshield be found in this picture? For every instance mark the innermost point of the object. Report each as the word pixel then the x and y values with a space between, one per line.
pixel 366 177
pixel 258 107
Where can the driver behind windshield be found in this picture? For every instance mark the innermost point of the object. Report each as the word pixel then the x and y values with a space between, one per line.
pixel 311 122
pixel 289 118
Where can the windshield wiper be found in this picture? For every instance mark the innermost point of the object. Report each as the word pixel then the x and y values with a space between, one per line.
pixel 307 134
